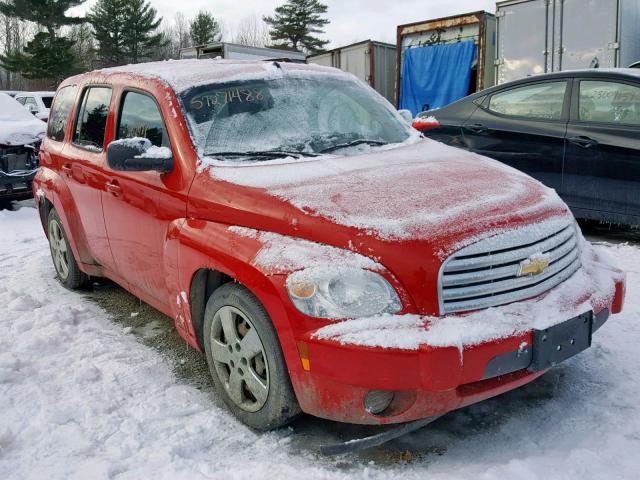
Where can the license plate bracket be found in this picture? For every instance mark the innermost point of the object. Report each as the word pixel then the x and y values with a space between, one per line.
pixel 560 342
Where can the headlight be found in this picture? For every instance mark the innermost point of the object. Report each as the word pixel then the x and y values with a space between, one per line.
pixel 341 293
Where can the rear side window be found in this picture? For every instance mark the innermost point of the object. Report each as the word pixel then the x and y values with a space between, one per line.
pixel 59 117
pixel 540 101
pixel 609 102
pixel 30 101
pixel 92 119
pixel 47 101
pixel 141 117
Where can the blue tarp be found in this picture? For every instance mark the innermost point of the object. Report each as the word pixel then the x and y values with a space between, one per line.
pixel 436 76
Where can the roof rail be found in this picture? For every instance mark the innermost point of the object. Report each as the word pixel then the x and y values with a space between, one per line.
pixel 284 60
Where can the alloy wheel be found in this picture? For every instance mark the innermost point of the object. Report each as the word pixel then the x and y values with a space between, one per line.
pixel 59 249
pixel 239 358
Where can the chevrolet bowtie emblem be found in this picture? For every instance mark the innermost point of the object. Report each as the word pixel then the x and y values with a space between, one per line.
pixel 532 266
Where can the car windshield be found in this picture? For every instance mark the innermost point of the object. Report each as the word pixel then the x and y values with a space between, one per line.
pixel 289 116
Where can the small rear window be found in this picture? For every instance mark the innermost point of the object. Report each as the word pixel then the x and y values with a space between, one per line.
pixel 59 117
pixel 543 101
pixel 47 101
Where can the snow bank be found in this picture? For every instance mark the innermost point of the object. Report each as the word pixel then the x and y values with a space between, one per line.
pixel 17 125
pixel 591 287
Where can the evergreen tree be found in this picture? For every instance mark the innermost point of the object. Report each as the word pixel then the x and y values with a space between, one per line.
pixel 107 20
pixel 295 23
pixel 141 35
pixel 48 55
pixel 204 29
pixel 126 30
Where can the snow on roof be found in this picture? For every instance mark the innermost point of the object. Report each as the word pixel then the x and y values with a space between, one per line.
pixel 184 74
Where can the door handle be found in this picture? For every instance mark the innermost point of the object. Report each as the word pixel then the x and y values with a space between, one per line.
pixel 584 142
pixel 477 128
pixel 114 188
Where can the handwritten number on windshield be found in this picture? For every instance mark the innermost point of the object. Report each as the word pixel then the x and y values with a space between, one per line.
pixel 221 98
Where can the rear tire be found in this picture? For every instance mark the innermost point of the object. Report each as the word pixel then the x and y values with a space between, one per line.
pixel 245 359
pixel 64 262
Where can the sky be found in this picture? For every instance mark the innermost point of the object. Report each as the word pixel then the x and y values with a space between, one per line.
pixel 351 20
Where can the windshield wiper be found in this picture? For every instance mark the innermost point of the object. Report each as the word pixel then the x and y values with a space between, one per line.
pixel 360 141
pixel 264 154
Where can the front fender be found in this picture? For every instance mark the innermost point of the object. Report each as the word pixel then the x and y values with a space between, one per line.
pixel 201 244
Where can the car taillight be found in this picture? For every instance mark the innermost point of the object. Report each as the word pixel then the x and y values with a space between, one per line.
pixel 425 123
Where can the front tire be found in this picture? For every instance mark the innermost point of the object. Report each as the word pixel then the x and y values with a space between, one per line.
pixel 246 361
pixel 64 262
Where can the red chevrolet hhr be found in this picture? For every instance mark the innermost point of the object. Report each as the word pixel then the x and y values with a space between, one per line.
pixel 325 256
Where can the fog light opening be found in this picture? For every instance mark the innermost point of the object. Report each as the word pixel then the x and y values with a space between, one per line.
pixel 377 401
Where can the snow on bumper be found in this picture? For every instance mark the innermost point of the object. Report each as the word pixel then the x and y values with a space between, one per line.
pixel 597 285
pixel 434 365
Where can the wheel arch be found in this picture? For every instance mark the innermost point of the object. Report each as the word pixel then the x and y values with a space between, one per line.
pixel 55 194
pixel 210 255
pixel 204 282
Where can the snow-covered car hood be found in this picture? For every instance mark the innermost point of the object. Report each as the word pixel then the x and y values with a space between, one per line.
pixel 21 132
pixel 43 115
pixel 408 207
pixel 17 125
pixel 420 190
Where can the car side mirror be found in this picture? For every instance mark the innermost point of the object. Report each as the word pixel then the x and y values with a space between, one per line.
pixel 138 155
pixel 425 122
pixel 32 108
pixel 406 116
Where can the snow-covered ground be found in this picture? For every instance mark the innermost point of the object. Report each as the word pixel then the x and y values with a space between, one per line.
pixel 82 397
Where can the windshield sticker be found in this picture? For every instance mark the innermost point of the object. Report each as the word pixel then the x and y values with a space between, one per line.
pixel 212 100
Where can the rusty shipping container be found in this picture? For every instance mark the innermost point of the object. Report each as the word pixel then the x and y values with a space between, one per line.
pixel 479 27
pixel 372 62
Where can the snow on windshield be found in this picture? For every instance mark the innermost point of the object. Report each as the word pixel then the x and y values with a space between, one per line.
pixel 311 115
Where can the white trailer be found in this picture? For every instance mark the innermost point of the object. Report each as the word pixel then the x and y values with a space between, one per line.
pixel 239 52
pixel 540 36
pixel 370 61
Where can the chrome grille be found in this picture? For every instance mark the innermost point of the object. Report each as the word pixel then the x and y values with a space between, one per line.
pixel 485 274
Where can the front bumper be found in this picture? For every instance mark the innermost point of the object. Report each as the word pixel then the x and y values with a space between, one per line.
pixel 433 379
pixel 18 167
pixel 17 187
